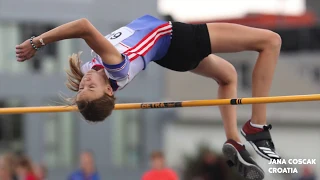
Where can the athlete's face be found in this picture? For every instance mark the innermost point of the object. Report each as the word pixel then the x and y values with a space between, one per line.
pixel 94 85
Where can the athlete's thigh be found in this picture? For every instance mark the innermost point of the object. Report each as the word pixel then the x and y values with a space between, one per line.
pixel 216 68
pixel 227 37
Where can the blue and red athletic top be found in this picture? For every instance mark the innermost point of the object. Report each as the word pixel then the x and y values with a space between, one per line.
pixel 143 40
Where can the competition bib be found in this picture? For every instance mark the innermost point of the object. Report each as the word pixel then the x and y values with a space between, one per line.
pixel 117 36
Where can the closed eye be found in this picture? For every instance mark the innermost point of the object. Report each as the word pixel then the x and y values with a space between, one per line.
pixel 91 88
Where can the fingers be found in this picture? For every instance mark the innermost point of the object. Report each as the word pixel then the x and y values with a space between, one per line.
pixel 24 56
pixel 21 55
pixel 21 58
pixel 19 51
pixel 24 51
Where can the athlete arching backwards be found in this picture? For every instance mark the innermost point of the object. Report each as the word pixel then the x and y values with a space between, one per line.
pixel 121 55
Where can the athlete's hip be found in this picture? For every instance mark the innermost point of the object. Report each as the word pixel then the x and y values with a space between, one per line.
pixel 189 45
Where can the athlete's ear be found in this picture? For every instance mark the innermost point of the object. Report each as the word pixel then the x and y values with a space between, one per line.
pixel 109 90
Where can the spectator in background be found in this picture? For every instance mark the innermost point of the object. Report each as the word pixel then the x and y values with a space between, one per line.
pixel 7 167
pixel 212 168
pixel 87 169
pixel 24 169
pixel 40 171
pixel 158 170
pixel 307 174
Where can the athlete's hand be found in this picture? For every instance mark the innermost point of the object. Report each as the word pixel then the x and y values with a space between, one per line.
pixel 25 51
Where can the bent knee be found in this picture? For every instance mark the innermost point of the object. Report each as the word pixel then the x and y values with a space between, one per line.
pixel 229 77
pixel 272 41
pixel 218 69
pixel 275 40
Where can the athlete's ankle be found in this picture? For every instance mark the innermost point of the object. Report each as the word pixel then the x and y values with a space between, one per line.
pixel 235 138
pixel 258 121
pixel 257 125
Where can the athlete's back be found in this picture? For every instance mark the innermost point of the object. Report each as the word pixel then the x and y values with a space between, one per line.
pixel 143 40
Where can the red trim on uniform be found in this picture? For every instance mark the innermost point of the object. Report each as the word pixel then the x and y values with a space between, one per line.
pixel 169 30
pixel 155 41
pixel 153 38
pixel 142 40
pixel 97 67
pixel 121 43
pixel 137 55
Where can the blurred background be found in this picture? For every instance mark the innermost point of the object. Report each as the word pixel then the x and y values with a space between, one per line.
pixel 131 143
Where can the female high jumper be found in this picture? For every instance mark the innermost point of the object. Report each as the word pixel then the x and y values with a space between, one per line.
pixel 121 55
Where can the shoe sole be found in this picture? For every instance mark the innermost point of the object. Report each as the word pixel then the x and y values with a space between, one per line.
pixel 245 169
pixel 255 147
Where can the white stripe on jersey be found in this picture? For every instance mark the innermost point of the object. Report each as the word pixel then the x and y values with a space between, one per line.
pixel 117 69
pixel 146 48
pixel 150 37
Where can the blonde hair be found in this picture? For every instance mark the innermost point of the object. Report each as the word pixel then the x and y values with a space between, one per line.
pixel 74 76
pixel 96 110
pixel 74 73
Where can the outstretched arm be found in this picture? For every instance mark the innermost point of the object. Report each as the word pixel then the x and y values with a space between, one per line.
pixel 81 28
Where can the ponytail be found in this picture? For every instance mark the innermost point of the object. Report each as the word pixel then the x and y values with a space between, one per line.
pixel 74 74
